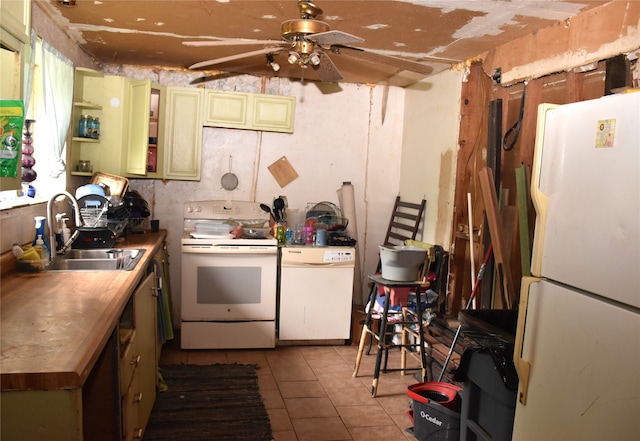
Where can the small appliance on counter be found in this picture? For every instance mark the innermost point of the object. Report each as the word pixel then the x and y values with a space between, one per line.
pixel 107 207
pixel 97 230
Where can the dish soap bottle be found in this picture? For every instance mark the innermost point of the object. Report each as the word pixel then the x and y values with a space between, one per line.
pixel 63 233
pixel 66 232
pixel 42 248
pixel 40 224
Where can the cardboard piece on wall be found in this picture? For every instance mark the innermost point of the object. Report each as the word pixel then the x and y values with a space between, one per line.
pixel 282 171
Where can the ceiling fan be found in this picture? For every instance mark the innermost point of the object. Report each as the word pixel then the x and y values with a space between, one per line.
pixel 308 42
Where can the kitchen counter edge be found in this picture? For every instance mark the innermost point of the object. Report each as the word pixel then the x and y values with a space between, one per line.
pixel 51 337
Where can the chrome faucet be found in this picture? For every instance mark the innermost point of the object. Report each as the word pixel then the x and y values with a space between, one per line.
pixel 52 234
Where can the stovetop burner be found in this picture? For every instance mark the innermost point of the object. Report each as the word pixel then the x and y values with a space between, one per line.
pixel 213 222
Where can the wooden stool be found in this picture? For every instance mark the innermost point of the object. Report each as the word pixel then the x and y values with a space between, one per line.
pixel 380 337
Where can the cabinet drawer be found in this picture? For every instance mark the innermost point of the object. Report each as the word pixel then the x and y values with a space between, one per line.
pixel 131 427
pixel 129 360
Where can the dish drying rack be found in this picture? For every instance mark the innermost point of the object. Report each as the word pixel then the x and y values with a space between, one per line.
pixel 92 216
pixel 138 224
pixel 93 211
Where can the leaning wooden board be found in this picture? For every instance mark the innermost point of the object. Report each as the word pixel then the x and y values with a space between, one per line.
pixel 490 197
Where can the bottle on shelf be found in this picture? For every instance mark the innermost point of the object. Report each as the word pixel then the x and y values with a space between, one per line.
pixel 89 131
pixel 83 127
pixel 95 128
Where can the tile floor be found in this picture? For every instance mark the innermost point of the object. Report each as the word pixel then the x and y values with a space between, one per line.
pixel 310 394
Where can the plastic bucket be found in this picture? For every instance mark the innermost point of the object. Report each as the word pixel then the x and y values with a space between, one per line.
pixel 401 263
pixel 445 394
pixel 435 411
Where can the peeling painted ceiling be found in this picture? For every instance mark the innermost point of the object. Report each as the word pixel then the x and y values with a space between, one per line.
pixel 437 33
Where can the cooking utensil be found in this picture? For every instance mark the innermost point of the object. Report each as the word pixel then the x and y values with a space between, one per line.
pixel 255 233
pixel 266 208
pixel 278 209
pixel 229 181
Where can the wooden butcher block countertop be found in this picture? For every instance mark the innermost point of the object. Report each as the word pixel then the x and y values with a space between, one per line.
pixel 54 324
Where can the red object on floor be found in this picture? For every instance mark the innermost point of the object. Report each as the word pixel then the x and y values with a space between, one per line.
pixel 445 394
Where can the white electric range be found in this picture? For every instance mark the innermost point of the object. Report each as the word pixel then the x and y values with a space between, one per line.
pixel 228 284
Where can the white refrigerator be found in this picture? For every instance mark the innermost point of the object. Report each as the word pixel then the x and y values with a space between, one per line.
pixel 577 350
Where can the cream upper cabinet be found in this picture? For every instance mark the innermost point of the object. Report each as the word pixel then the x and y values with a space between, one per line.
pixel 183 133
pixel 138 127
pixel 273 113
pixel 15 18
pixel 89 91
pixel 226 109
pixel 146 130
pixel 249 111
pixel 121 105
pixel 142 147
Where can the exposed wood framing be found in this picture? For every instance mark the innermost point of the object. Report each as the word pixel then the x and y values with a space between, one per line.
pixel 560 88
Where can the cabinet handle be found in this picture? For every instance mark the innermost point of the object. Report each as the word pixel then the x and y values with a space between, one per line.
pixel 137 397
pixel 137 433
pixel 136 360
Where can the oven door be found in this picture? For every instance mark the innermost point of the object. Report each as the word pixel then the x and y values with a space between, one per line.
pixel 229 283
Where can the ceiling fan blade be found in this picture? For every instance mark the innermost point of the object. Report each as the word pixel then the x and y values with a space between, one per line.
pixel 265 50
pixel 334 37
pixel 382 59
pixel 214 43
pixel 218 76
pixel 326 70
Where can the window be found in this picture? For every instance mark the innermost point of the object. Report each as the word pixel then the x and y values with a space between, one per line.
pixel 49 92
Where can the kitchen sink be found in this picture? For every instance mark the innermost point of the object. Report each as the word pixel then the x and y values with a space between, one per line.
pixel 97 260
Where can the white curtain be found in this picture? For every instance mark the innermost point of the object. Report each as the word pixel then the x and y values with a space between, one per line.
pixel 57 86
pixel 28 81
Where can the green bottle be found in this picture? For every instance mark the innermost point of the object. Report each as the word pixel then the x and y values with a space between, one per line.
pixel 281 235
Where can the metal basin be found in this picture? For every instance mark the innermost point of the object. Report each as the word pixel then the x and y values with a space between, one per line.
pixel 97 260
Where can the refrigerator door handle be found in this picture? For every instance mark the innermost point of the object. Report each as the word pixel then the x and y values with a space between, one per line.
pixel 538 197
pixel 522 366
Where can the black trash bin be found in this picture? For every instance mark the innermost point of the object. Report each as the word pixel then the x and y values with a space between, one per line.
pixel 488 374
pixel 435 411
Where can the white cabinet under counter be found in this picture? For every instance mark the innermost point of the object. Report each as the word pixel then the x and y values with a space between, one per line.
pixel 316 291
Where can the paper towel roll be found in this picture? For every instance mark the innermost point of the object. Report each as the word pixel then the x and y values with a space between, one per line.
pixel 347 201
pixel 346 198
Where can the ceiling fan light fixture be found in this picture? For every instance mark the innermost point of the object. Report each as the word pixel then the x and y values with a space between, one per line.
pixel 314 59
pixel 293 57
pixel 307 42
pixel 271 62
